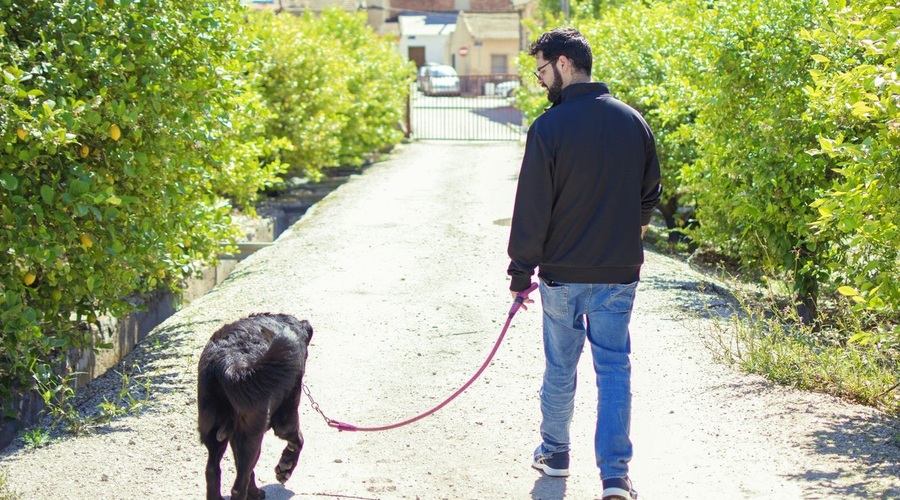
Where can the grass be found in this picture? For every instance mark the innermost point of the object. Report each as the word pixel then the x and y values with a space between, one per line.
pixel 766 337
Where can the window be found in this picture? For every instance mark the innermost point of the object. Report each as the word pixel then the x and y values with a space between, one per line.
pixel 499 64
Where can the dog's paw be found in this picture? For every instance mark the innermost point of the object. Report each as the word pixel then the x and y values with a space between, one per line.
pixel 283 471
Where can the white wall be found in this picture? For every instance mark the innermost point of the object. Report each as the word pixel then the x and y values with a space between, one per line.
pixel 434 37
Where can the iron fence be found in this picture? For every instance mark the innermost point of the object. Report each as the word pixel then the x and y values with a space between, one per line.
pixel 480 108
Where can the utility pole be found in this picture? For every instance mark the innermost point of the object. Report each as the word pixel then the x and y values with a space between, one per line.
pixel 564 7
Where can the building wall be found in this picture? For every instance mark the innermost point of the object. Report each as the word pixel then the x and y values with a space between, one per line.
pixel 435 47
pixel 478 59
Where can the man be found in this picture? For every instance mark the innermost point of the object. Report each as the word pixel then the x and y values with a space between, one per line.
pixel 588 184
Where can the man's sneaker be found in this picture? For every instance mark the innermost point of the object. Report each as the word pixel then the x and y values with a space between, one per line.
pixel 618 488
pixel 554 464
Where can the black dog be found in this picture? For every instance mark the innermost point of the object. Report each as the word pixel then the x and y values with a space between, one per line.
pixel 249 380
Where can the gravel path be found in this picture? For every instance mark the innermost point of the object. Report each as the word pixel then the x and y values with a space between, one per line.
pixel 401 272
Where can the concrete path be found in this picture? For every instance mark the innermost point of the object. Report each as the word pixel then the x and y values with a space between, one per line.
pixel 401 272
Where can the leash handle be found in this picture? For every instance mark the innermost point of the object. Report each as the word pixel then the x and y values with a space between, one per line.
pixel 520 298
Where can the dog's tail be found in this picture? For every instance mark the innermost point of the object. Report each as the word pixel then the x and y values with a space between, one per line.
pixel 269 378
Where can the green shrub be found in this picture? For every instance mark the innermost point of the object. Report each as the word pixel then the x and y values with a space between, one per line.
pixel 753 182
pixel 855 98
pixel 131 129
pixel 339 90
pixel 121 134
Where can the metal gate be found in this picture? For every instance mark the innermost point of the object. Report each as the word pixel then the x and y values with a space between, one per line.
pixel 479 108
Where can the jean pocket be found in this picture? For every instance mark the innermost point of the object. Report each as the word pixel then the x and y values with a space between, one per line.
pixel 554 299
pixel 619 299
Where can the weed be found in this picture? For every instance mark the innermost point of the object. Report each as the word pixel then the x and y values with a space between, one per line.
pixel 126 402
pixel 36 438
pixel 58 396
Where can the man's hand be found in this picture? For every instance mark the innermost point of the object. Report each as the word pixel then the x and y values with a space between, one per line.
pixel 525 302
pixel 644 230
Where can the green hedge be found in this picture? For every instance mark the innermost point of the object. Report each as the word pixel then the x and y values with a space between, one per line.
pixel 338 98
pixel 109 156
pixel 130 130
pixel 856 98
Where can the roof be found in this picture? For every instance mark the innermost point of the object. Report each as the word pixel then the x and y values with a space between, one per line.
pixel 491 26
pixel 430 24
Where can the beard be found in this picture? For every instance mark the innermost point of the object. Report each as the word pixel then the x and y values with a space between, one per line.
pixel 554 90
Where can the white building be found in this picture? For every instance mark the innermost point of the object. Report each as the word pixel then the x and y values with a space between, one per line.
pixel 424 37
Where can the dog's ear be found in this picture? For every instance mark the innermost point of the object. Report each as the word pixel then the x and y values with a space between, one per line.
pixel 308 329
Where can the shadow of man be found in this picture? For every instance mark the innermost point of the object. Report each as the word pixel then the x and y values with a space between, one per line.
pixel 549 488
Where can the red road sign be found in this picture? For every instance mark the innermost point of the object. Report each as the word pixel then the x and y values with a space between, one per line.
pixel 463 51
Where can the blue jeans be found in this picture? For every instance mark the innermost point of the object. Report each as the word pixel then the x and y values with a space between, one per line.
pixel 601 313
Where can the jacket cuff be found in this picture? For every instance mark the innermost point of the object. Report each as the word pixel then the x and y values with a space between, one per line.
pixel 520 283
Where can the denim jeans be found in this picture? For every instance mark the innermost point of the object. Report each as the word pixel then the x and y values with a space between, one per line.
pixel 601 313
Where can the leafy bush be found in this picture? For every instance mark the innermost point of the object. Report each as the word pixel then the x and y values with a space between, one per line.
pixel 338 98
pixel 123 128
pixel 856 98
pixel 778 122
pixel 131 129
pixel 753 182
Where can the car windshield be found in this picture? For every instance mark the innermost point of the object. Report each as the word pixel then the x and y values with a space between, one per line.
pixel 445 71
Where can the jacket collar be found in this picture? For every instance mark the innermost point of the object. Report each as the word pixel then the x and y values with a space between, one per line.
pixel 575 90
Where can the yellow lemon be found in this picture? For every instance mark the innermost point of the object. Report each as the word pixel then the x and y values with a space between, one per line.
pixel 21 133
pixel 115 132
pixel 84 151
pixel 29 279
pixel 86 240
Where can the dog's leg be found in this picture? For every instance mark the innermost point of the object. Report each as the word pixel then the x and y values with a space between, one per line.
pixel 216 450
pixel 286 425
pixel 246 445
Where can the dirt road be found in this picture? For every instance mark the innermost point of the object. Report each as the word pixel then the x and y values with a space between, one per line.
pixel 401 272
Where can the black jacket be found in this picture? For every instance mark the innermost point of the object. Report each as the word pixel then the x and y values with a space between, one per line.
pixel 589 180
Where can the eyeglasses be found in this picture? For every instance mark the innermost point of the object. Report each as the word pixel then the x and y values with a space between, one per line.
pixel 537 74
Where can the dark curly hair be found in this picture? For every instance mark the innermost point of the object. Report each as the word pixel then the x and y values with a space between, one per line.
pixel 567 42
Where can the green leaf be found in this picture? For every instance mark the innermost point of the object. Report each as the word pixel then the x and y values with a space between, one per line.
pixel 9 181
pixel 47 194
pixel 847 291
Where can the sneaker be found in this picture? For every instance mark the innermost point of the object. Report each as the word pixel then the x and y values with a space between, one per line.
pixel 618 488
pixel 554 464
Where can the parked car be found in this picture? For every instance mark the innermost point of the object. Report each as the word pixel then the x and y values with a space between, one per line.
pixel 440 80
pixel 506 89
pixel 423 75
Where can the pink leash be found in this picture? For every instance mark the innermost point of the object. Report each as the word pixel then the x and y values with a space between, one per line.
pixel 341 426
